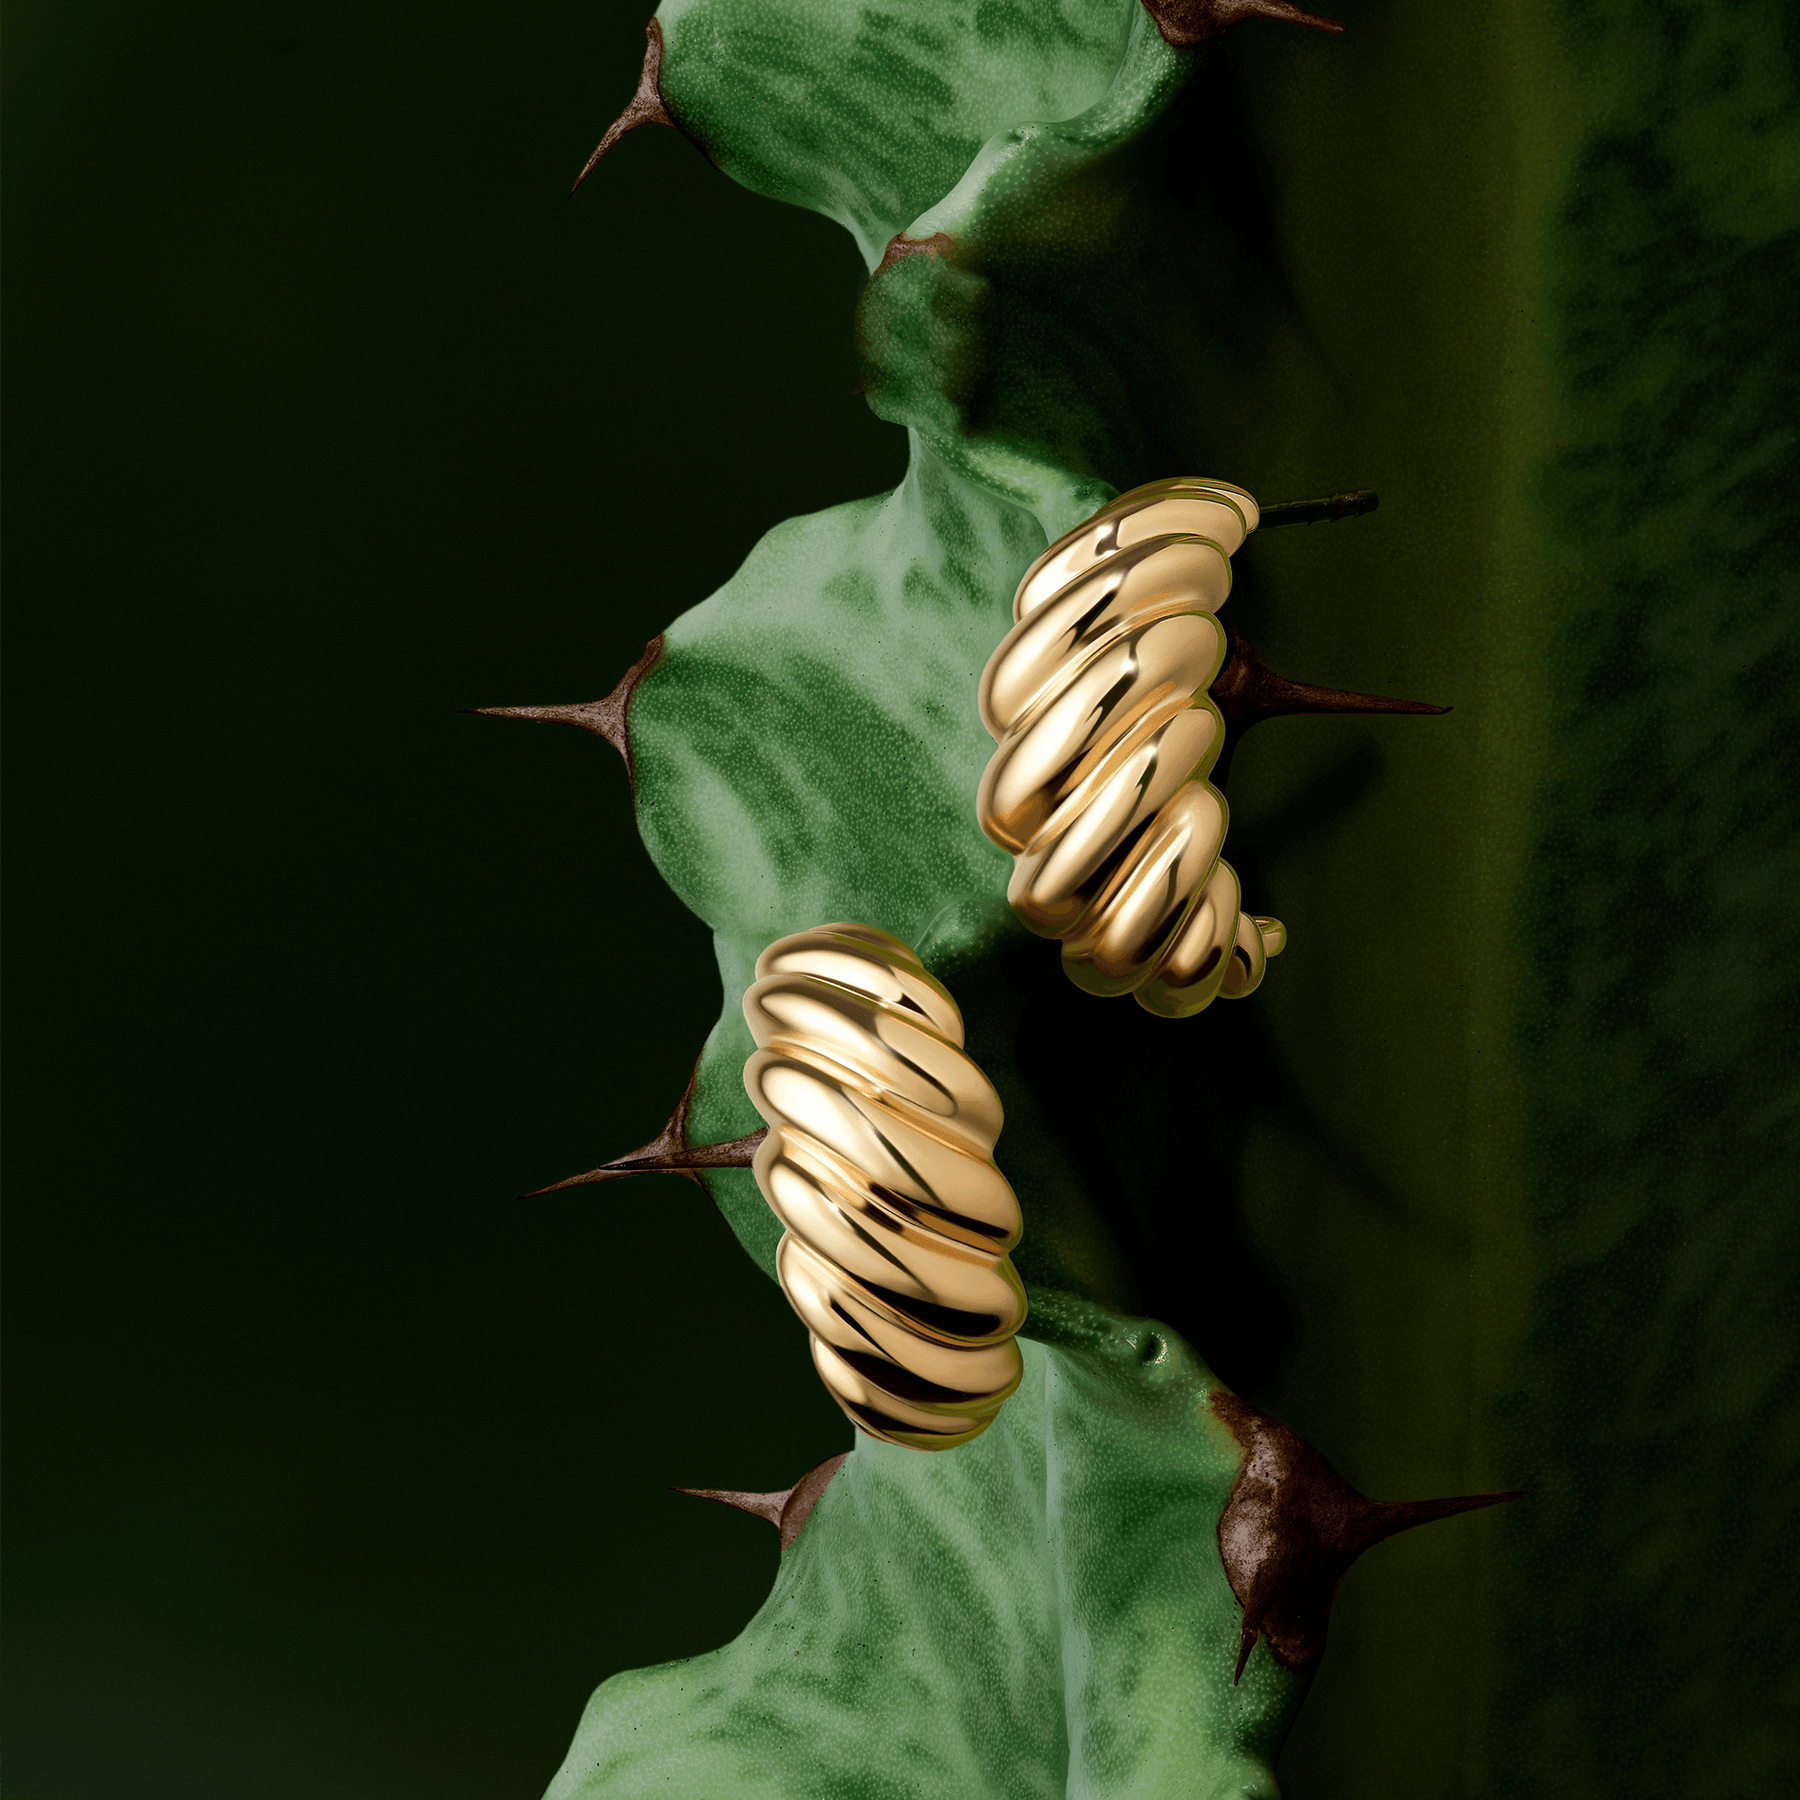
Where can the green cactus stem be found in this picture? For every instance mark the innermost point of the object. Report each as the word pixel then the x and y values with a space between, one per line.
pixel 1058 307
pixel 1044 1611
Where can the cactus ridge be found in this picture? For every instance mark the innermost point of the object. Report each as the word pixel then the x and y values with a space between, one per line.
pixel 1068 1603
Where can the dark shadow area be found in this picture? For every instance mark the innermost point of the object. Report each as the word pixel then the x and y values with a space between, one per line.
pixel 333 1468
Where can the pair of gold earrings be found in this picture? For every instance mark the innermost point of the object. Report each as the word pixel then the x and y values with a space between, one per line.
pixel 1110 702
pixel 879 1155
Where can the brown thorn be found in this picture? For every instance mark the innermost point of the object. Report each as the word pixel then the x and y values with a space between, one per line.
pixel 764 1506
pixel 1184 22
pixel 1246 1643
pixel 646 106
pixel 1388 1519
pixel 739 1153
pixel 604 718
pixel 1312 512
pixel 1248 691
pixel 1293 1526
pixel 787 1510
pixel 669 1152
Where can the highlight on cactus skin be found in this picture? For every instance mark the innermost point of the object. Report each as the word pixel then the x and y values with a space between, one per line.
pixel 1118 1581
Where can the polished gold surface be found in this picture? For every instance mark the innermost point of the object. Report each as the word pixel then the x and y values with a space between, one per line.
pixel 1098 701
pixel 879 1161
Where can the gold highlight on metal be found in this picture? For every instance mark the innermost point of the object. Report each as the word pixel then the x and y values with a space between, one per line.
pixel 879 1162
pixel 1097 699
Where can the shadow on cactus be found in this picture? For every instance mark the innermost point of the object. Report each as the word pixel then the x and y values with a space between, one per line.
pixel 1115 1577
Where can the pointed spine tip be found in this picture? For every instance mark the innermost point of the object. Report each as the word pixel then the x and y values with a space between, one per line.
pixel 1293 1527
pixel 660 1158
pixel 613 1171
pixel 1248 691
pixel 1354 505
pixel 760 1506
pixel 1389 1518
pixel 578 712
pixel 1283 13
pixel 668 1153
pixel 609 718
pixel 787 1509
pixel 645 108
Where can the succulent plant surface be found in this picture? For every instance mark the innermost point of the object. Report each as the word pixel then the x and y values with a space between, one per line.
pixel 1074 1600
pixel 1122 1585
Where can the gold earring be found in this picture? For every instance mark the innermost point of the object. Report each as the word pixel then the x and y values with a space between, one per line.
pixel 1098 701
pixel 879 1162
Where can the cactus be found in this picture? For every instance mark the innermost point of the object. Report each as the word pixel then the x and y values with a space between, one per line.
pixel 1122 1586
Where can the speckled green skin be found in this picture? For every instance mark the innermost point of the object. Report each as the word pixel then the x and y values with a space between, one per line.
pixel 798 764
pixel 1040 1613
pixel 813 764
pixel 870 114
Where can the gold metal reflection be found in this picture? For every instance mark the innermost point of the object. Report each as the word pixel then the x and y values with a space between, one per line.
pixel 879 1162
pixel 1098 701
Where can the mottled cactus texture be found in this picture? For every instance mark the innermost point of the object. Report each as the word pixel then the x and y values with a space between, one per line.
pixel 1079 281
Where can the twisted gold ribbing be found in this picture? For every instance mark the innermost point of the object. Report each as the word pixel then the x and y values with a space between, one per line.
pixel 1097 699
pixel 879 1161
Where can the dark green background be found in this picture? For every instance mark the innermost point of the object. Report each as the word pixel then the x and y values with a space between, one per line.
pixel 335 1469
